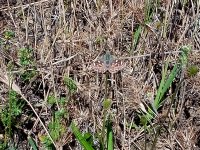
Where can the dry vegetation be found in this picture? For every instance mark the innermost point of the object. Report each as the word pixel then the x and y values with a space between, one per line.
pixel 43 43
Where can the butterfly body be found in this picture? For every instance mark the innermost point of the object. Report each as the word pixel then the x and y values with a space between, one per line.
pixel 108 63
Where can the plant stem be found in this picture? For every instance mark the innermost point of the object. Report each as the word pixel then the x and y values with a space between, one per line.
pixel 106 85
pixel 10 104
pixel 104 114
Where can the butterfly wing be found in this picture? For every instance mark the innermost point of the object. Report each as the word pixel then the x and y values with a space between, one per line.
pixel 107 63
pixel 116 65
pixel 99 66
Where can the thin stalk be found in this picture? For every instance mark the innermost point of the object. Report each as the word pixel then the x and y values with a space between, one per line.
pixel 106 85
pixel 104 114
pixel 145 137
pixel 10 112
pixel 156 138
pixel 10 104
pixel 103 130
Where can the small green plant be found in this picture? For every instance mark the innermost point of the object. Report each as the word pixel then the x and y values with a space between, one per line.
pixel 1 42
pixel 56 126
pixel 11 111
pixel 3 145
pixel 32 143
pixel 27 61
pixel 148 11
pixel 26 57
pixel 106 134
pixel 71 85
pixel 46 142
pixel 5 41
pixel 9 34
pixel 192 70
pixel 28 74
pixel 83 140
pixel 53 100
pixel 9 114
pixel 165 83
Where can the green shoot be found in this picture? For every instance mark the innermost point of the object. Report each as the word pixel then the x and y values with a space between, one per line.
pixel 32 143
pixel 81 138
pixel 110 144
pixel 89 138
pixel 86 141
pixel 106 105
pixel 9 34
pixel 56 126
pixel 136 37
pixel 7 37
pixel 192 70
pixel 166 82
pixel 26 56
pixel 10 112
pixel 71 85
pixel 26 61
pixel 56 129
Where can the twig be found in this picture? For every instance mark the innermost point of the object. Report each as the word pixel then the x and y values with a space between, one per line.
pixel 146 55
pixel 24 6
pixel 63 60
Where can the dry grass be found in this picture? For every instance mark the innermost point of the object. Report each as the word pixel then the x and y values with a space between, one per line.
pixel 67 36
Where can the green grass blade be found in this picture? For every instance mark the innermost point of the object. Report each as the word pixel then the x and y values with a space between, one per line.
pixel 160 89
pixel 80 137
pixel 32 143
pixel 147 11
pixel 170 79
pixel 166 86
pixel 167 81
pixel 110 136
pixel 136 37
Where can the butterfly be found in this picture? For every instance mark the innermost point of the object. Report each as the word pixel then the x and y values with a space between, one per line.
pixel 108 63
